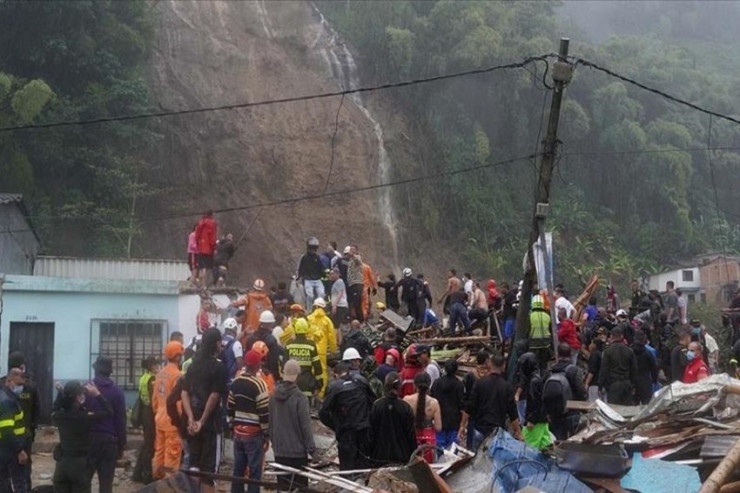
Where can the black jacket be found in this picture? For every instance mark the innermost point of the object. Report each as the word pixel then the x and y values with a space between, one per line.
pixel 394 436
pixel 449 391
pixel 535 411
pixel 618 364
pixel 74 424
pixel 491 403
pixel 647 368
pixel 356 339
pixel 391 294
pixel 275 354
pixel 678 363
pixel 347 404
pixel 310 268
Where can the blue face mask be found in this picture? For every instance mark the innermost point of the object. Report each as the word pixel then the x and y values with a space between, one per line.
pixel 17 389
pixel 696 331
pixel 690 355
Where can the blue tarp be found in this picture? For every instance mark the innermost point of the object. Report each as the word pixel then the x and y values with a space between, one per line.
pixel 659 476
pixel 517 465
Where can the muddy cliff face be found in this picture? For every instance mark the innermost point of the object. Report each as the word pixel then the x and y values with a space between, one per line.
pixel 218 53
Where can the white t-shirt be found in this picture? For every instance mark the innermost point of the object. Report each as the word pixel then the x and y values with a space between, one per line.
pixel 683 306
pixel 432 370
pixel 711 344
pixel 468 288
pixel 276 333
pixel 563 302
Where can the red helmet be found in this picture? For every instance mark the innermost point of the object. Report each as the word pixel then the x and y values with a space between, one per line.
pixel 394 352
pixel 410 355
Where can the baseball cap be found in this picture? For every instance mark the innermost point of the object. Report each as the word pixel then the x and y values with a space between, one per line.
pixel 253 358
pixel 173 349
pixel 291 370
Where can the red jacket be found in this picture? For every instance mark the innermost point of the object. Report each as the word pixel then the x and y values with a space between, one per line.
pixel 407 379
pixel 696 370
pixel 205 236
pixel 568 333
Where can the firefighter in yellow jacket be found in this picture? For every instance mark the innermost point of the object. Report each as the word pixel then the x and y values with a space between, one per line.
pixel 296 312
pixel 321 331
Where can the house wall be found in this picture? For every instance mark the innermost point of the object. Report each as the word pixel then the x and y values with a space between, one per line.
pixel 658 281
pixel 717 274
pixel 72 305
pixel 18 244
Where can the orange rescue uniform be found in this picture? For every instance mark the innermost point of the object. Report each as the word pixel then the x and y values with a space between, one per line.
pixel 369 283
pixel 167 443
pixel 254 303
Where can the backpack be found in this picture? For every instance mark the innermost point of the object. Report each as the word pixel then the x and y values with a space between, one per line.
pixel 556 392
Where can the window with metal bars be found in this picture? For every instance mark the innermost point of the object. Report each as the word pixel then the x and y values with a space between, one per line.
pixel 127 342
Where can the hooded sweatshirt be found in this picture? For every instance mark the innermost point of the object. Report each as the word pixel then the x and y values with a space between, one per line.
pixel 114 425
pixel 449 391
pixel 293 437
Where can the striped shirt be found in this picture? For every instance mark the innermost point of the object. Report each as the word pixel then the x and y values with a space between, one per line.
pixel 247 404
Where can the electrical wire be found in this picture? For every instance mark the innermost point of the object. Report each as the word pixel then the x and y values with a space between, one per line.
pixel 269 102
pixel 333 148
pixel 675 99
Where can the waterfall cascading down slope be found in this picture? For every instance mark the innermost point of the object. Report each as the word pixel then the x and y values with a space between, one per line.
pixel 341 63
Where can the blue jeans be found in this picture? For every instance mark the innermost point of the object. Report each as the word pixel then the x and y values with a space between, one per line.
pixel 445 438
pixel 521 408
pixel 314 289
pixel 248 452
pixel 509 328
pixel 458 312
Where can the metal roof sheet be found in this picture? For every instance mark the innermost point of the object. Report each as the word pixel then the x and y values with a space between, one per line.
pixel 85 268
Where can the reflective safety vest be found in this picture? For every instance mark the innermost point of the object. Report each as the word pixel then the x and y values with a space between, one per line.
pixel 146 399
pixel 539 325
pixel 12 423
pixel 305 353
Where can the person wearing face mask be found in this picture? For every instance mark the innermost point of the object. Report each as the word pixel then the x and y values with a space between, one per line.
pixel 73 420
pixel 13 440
pixel 696 369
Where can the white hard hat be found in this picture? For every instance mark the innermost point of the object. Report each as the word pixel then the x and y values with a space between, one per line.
pixel 313 241
pixel 267 317
pixel 259 284
pixel 407 272
pixel 319 302
pixel 230 324
pixel 621 313
pixel 350 354
pixel 347 249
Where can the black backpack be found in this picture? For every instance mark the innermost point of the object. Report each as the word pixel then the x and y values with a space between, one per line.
pixel 556 392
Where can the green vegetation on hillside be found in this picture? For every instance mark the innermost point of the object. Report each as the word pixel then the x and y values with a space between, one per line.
pixel 66 61
pixel 633 189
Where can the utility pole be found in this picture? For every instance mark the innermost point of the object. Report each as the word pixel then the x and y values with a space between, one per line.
pixel 561 75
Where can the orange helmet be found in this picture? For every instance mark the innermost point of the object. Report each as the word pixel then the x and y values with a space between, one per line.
pixel 295 307
pixel 261 348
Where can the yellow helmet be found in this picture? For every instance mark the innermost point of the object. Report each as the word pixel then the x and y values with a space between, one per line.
pixel 301 326
pixel 379 305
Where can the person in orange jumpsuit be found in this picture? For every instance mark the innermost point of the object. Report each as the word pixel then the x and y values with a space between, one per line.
pixel 167 443
pixel 254 303
pixel 370 286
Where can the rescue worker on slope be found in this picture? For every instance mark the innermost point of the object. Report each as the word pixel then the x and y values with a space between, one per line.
pixel 143 468
pixel 322 327
pixel 167 445
pixel 261 348
pixel 296 312
pixel 304 351
pixel 264 334
pixel 540 342
pixel 255 302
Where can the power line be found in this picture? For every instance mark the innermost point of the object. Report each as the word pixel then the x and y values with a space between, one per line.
pixel 651 151
pixel 675 99
pixel 268 102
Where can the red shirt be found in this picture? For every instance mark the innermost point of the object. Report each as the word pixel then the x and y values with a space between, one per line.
pixel 205 236
pixel 568 333
pixel 407 379
pixel 696 370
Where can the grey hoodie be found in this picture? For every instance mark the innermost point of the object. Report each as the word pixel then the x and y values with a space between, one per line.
pixel 290 427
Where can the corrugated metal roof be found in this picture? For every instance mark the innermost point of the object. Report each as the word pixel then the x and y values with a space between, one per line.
pixel 145 269
pixel 9 198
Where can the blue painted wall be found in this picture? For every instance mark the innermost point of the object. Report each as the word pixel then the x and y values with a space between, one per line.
pixel 72 304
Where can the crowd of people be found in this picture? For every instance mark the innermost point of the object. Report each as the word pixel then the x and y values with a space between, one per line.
pixel 256 376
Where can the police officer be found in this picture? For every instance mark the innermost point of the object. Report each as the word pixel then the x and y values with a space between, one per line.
pixel 29 401
pixel 305 353
pixel 143 468
pixel 13 441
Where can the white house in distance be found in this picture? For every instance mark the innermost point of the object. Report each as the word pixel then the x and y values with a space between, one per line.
pixel 686 279
pixel 713 278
